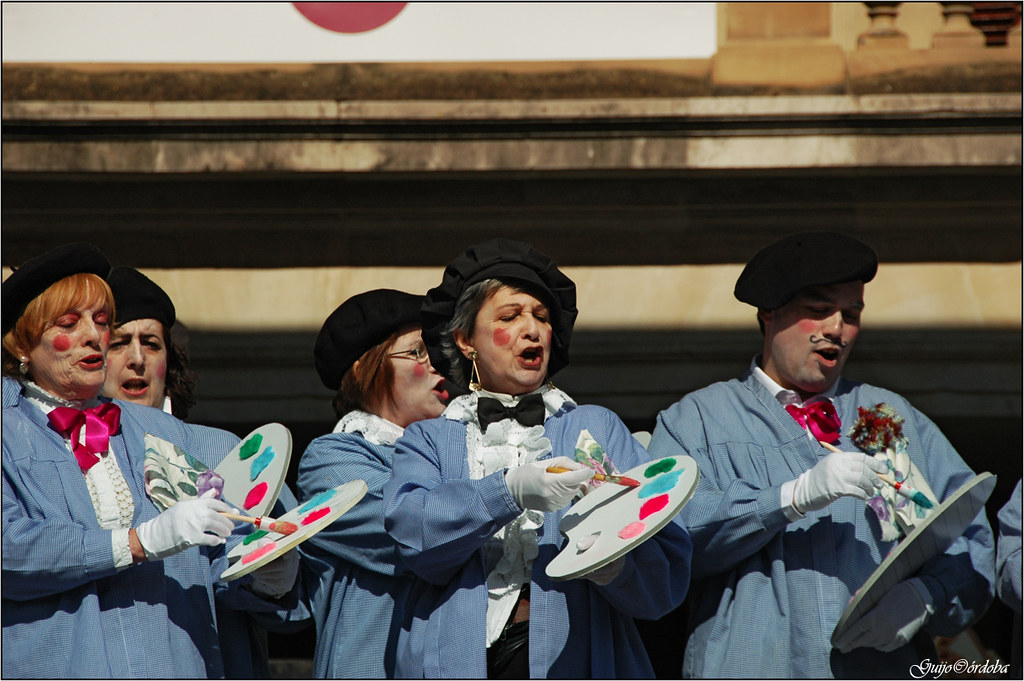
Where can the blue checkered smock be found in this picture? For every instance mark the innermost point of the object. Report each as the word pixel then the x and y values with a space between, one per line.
pixel 441 518
pixel 767 593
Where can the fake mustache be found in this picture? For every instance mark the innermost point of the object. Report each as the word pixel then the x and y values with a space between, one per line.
pixel 839 344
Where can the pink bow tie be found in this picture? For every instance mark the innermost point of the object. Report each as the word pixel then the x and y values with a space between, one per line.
pixel 100 423
pixel 818 417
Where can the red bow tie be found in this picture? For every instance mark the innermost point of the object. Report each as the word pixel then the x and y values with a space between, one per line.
pixel 818 417
pixel 100 423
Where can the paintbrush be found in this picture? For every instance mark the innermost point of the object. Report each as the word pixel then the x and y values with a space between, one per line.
pixel 902 488
pixel 617 479
pixel 264 523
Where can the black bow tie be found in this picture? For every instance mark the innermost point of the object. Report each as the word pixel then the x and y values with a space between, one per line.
pixel 529 412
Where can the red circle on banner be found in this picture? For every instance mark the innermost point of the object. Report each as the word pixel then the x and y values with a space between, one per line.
pixel 349 17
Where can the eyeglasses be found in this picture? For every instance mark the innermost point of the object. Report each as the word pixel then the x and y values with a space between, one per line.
pixel 418 353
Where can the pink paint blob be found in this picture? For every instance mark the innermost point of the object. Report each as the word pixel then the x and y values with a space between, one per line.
pixel 256 495
pixel 632 530
pixel 653 505
pixel 501 337
pixel 61 342
pixel 258 553
pixel 316 515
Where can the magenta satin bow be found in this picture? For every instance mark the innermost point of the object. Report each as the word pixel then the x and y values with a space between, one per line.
pixel 100 423
pixel 818 417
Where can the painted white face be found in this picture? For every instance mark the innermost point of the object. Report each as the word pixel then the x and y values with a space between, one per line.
pixel 418 391
pixel 69 361
pixel 137 363
pixel 808 340
pixel 512 338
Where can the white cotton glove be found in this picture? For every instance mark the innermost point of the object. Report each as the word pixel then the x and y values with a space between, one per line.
pixel 277 577
pixel 840 474
pixel 187 523
pixel 534 488
pixel 604 575
pixel 892 623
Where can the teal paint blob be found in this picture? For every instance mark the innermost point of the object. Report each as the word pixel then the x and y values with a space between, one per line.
pixel 260 463
pixel 661 484
pixel 316 501
pixel 659 467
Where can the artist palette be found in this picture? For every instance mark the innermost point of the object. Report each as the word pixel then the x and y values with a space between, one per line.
pixel 262 546
pixel 934 535
pixel 255 469
pixel 612 520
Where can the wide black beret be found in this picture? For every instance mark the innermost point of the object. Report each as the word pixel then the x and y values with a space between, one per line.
pixel 782 269
pixel 38 274
pixel 360 323
pixel 137 297
pixel 509 261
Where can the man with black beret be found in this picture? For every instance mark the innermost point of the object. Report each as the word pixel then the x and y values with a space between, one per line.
pixel 783 538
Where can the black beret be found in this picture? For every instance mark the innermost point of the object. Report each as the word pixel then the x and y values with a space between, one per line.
pixel 360 323
pixel 137 297
pixel 509 261
pixel 782 269
pixel 38 274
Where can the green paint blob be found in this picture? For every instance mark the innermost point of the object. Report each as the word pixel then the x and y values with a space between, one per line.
pixel 659 467
pixel 250 447
pixel 254 536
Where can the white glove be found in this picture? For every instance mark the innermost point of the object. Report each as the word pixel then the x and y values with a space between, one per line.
pixel 840 474
pixel 277 577
pixel 605 575
pixel 892 623
pixel 534 488
pixel 185 524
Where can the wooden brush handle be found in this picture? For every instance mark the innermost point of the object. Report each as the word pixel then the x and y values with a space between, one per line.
pixel 240 518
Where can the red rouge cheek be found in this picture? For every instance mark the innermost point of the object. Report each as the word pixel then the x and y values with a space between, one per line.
pixel 161 370
pixel 61 343
pixel 808 326
pixel 501 337
pixel 106 338
pixel 419 371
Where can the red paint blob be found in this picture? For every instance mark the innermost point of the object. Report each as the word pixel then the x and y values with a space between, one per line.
pixel 258 553
pixel 256 495
pixel 349 17
pixel 316 515
pixel 653 505
pixel 632 530
pixel 61 342
pixel 501 337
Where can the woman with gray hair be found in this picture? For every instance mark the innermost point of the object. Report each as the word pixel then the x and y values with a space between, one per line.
pixel 474 511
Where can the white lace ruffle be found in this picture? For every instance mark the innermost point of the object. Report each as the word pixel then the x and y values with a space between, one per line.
pixel 510 553
pixel 375 429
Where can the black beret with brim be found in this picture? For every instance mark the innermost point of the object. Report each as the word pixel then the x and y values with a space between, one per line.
pixel 38 274
pixel 360 323
pixel 512 262
pixel 782 269
pixel 138 297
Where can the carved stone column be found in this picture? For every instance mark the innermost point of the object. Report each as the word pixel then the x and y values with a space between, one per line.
pixel 883 32
pixel 958 33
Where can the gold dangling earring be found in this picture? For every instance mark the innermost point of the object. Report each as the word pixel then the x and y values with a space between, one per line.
pixel 474 377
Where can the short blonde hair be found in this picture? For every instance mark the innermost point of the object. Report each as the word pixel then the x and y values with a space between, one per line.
pixel 82 289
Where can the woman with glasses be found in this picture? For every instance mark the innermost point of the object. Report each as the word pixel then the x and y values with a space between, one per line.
pixel 371 353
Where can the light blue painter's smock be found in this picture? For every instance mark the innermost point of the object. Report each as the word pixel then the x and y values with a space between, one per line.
pixel 767 593
pixel 441 518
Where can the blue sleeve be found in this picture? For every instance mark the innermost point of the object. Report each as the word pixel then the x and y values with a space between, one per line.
pixel 961 580
pixel 729 517
pixel 440 523
pixel 358 536
pixel 45 551
pixel 1008 561
pixel 656 575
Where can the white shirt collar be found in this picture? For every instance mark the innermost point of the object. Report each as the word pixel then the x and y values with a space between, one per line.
pixel 784 395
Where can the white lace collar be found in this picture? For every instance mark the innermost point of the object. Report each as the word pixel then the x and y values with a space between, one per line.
pixel 377 430
pixel 47 401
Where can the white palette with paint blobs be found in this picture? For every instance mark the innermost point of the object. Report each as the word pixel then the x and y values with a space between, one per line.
pixel 930 538
pixel 262 546
pixel 255 469
pixel 612 520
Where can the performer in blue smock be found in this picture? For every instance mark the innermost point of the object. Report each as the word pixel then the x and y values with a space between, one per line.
pixel 476 514
pixel 782 534
pixel 1008 570
pixel 146 366
pixel 370 352
pixel 96 582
